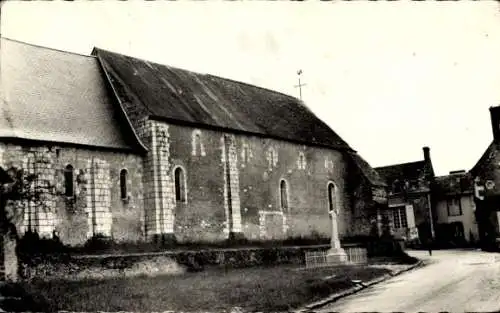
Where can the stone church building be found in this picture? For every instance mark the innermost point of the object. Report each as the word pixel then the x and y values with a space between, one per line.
pixel 130 149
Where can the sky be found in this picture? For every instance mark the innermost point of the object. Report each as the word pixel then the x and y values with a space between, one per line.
pixel 388 77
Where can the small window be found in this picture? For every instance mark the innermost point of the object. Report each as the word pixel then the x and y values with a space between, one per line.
pixel 283 195
pixel 272 157
pixel 301 162
pixel 332 198
pixel 180 185
pixel 123 184
pixel 68 181
pixel 198 148
pixel 245 153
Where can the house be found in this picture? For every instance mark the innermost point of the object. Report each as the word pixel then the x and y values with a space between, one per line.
pixel 410 203
pixel 137 151
pixel 455 209
pixel 486 177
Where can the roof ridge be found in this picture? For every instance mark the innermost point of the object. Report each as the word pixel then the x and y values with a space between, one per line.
pixel 46 48
pixel 205 74
pixel 399 164
pixel 256 86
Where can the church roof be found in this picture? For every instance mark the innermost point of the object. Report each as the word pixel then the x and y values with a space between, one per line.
pixel 371 174
pixel 181 96
pixel 61 97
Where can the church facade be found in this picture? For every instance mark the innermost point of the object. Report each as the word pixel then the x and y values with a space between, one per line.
pixel 132 150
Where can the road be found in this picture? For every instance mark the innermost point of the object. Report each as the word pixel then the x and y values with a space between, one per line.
pixel 453 281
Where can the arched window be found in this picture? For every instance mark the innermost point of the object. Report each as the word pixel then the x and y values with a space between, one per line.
pixel 332 198
pixel 180 185
pixel 283 195
pixel 68 181
pixel 123 183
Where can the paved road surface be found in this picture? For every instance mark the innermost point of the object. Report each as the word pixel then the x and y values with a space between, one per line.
pixel 454 281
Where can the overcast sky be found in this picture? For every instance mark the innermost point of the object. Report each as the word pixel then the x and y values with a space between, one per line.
pixel 388 77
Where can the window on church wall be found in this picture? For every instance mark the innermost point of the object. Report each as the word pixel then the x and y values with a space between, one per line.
pixel 246 154
pixel 69 188
pixel 301 162
pixel 123 183
pixel 272 157
pixel 180 185
pixel 197 144
pixel 284 195
pixel 332 198
pixel 454 207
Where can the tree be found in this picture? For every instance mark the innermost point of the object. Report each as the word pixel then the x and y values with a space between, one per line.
pixel 18 188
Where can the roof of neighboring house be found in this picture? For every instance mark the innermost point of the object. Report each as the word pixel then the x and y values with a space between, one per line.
pixel 61 97
pixel 485 160
pixel 181 96
pixel 454 184
pixel 371 174
pixel 408 171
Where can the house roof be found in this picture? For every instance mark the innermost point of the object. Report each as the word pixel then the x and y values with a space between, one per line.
pixel 485 160
pixel 404 171
pixel 181 96
pixel 454 184
pixel 61 97
pixel 371 174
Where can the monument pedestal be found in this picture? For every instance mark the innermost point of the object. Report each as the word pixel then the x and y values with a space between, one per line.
pixel 336 256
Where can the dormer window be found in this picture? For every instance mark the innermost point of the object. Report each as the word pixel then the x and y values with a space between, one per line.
pixel 396 186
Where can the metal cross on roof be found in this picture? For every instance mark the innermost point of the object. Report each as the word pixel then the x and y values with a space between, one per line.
pixel 299 72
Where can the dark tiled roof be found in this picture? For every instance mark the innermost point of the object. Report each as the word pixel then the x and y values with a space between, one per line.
pixel 59 97
pixel 370 174
pixel 405 171
pixel 183 96
pixel 484 162
pixel 455 184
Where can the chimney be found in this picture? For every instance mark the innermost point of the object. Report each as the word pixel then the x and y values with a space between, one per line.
pixel 495 122
pixel 427 153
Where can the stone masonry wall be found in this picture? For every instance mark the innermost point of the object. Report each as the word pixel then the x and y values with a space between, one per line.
pixel 96 205
pixel 256 168
pixel 159 197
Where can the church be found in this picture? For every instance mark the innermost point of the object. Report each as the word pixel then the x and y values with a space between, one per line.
pixel 133 150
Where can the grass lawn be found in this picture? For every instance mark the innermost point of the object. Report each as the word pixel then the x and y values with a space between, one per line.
pixel 253 289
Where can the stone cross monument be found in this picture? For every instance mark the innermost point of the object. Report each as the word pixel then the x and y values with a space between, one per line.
pixel 336 254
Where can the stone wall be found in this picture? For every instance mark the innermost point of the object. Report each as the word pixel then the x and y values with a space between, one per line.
pixel 258 188
pixel 232 183
pixel 363 209
pixel 165 263
pixel 94 206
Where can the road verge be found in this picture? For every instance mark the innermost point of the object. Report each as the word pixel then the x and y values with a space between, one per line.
pixel 361 285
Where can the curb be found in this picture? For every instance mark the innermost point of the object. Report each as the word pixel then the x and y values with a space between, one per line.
pixel 352 290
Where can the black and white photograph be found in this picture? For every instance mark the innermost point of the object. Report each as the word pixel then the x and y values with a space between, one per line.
pixel 249 156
